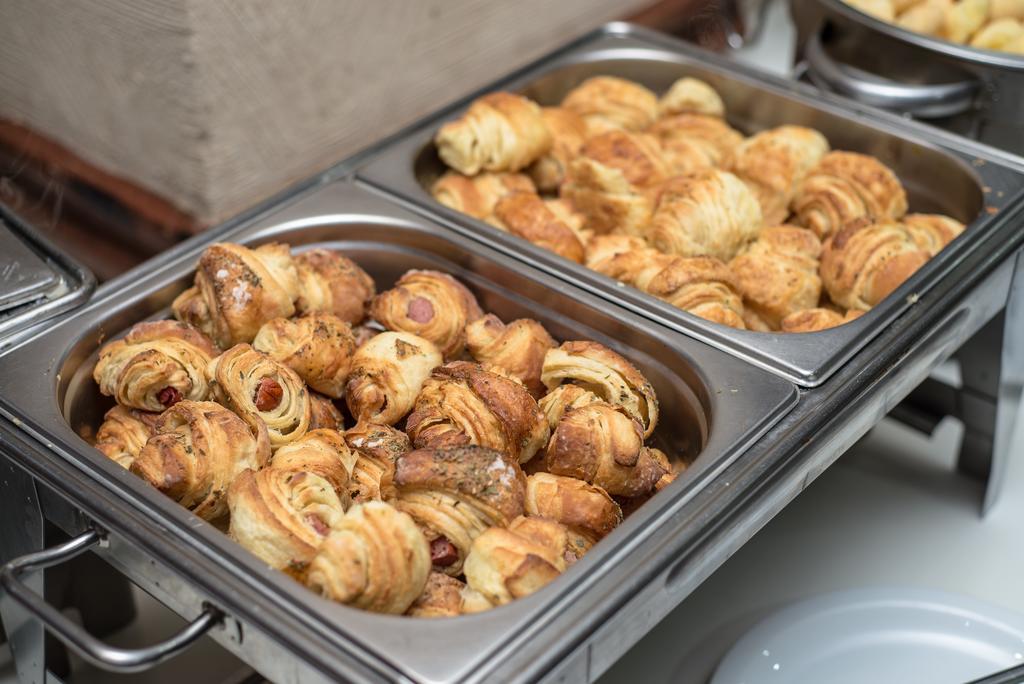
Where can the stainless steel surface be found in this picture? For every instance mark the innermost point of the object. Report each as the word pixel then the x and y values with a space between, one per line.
pixel 715 407
pixel 23 275
pixel 942 173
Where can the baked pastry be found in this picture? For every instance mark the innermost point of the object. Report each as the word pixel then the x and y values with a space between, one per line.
pixel 693 142
pixel 555 403
pixel 702 285
pixel 237 290
pixel 441 597
pixel 377 559
pixel 464 404
pixel 883 9
pixel 603 445
pixel 155 365
pixel 932 232
pixel 924 17
pixel 387 375
pixel 376 447
pixel 618 256
pixel 430 304
pixel 998 34
pixel 605 373
pixel 198 448
pixel 526 215
pixel 583 508
pixel 963 18
pixel 777 274
pixel 999 9
pixel 773 163
pixel 709 213
pixel 816 319
pixel 845 186
pixel 691 96
pixel 518 348
pixel 324 414
pixel 608 102
pixel 317 346
pixel 456 494
pixel 865 262
pixel 283 515
pixel 568 131
pixel 124 432
pixel 331 283
pixel 263 392
pixel 499 132
pixel 323 453
pixel 477 196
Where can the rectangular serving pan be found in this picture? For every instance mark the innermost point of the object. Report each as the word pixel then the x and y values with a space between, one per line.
pixel 941 172
pixel 713 408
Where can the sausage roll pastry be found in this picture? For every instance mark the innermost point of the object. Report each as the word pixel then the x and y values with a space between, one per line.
pixel 263 392
pixel 441 597
pixel 691 96
pixel 376 559
pixel 332 283
pixel 563 398
pixel 237 290
pixel 526 215
pixel 324 414
pixel 124 432
pixel 518 348
pixel 605 373
pixel 963 19
pixel 693 142
pixel 317 346
pixel 376 447
pixel 773 163
pixel 477 196
pixel 456 494
pixel 282 515
pixel 865 262
pixel 583 508
pixel 932 232
pixel 499 132
pixel 778 273
pixel 464 404
pixel 568 131
pixel 702 285
pixel 430 304
pixel 813 320
pixel 197 450
pixel 323 453
pixel 603 445
pixel 387 375
pixel 608 103
pixel 709 213
pixel 155 365
pixel 845 186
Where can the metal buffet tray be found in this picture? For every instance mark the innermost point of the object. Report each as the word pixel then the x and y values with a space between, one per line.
pixel 713 406
pixel 941 172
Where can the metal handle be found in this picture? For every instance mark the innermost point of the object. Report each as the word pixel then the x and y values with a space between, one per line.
pixel 927 101
pixel 74 636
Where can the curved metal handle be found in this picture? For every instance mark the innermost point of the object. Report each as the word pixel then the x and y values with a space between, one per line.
pixel 74 636
pixel 927 101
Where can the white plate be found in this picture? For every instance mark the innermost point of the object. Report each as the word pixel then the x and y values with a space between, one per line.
pixel 877 636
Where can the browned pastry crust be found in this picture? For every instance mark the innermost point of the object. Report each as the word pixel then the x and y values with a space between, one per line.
pixel 518 348
pixel 478 195
pixel 430 304
pixel 499 132
pixel 324 414
pixel 694 142
pixel 555 403
pixel 441 597
pixel 317 346
pixel 197 450
pixel 584 508
pixel 813 320
pixel 387 375
pixel 237 290
pixel 322 452
pixel 568 131
pixel 845 186
pixel 932 232
pixel 377 560
pixel 618 256
pixel 691 96
pixel 464 404
pixel 605 373
pixel 283 515
pixel 332 283
pixel 456 494
pixel 526 215
pixel 155 365
pixel 377 447
pixel 702 285
pixel 607 103
pixel 124 432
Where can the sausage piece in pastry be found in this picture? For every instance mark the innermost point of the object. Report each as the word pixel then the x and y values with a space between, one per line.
pixel 317 346
pixel 568 131
pixel 332 283
pixel 584 508
pixel 376 447
pixel 124 432
pixel 323 453
pixel 518 348
pixel 526 215
pixel 610 103
pixel 387 375
pixel 476 196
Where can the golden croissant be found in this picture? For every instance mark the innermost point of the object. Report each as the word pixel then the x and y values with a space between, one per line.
pixel 518 348
pixel 777 274
pixel 709 213
pixel 376 559
pixel 387 375
pixel 323 453
pixel 477 196
pixel 376 447
pixel 605 373
pixel 124 432
pixel 526 215
pixel 317 346
pixel 455 494
pixel 555 403
pixel 197 450
pixel 499 132
pixel 691 96
pixel 618 256
pixel 816 319
pixel 237 290
pixel 924 17
pixel 568 131
pixel 155 365
pixel 963 19
pixel 263 392
pixel 932 232
pixel 430 304
pixel 282 516
pixel 324 414
pixel 845 186
pixel 464 404
pixel 584 508
pixel 608 103
pixel 331 283
pixel 694 142
pixel 442 597
pixel 702 285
